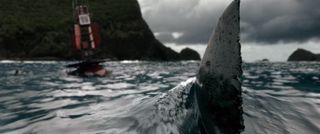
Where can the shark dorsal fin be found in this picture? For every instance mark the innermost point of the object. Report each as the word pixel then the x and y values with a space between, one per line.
pixel 222 56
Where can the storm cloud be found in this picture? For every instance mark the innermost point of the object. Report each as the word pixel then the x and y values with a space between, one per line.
pixel 264 21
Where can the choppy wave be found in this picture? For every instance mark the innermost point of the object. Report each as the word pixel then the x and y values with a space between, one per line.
pixel 28 62
pixel 149 97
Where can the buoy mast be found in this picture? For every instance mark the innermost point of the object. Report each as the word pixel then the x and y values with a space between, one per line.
pixel 86 38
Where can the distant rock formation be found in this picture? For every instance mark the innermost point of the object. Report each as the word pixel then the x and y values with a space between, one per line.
pixel 265 60
pixel 189 54
pixel 36 30
pixel 303 55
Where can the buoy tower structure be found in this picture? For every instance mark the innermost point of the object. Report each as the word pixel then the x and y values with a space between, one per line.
pixel 86 39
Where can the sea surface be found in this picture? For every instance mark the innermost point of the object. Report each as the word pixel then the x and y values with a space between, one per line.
pixel 146 97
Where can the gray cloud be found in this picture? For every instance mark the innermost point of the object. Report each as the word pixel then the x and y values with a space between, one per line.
pixel 286 20
pixel 267 21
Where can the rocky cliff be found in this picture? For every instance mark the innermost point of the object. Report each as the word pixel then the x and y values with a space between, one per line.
pixel 303 55
pixel 33 29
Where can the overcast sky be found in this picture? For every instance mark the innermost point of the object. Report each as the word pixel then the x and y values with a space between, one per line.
pixel 269 28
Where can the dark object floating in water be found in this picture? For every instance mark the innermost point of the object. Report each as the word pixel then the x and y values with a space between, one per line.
pixel 303 55
pixel 88 68
pixel 86 39
pixel 85 63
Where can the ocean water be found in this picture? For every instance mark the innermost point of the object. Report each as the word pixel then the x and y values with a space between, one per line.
pixel 151 97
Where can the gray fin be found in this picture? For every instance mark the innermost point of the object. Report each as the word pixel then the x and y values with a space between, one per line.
pixel 218 95
pixel 223 56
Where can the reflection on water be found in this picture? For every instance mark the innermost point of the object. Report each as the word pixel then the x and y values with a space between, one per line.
pixel 142 97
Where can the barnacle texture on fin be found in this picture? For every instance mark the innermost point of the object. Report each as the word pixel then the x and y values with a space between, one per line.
pixel 219 97
pixel 223 55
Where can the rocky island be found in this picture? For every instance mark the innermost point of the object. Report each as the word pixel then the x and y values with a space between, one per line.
pixel 303 55
pixel 36 29
pixel 189 54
